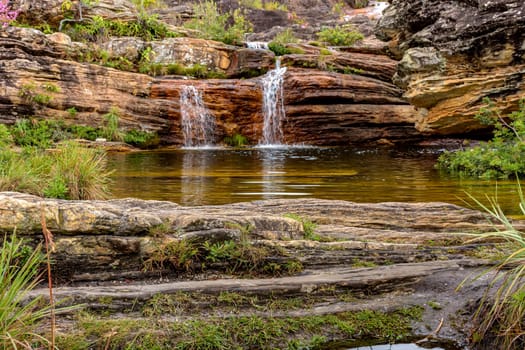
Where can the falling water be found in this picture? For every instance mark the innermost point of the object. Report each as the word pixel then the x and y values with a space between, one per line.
pixel 273 105
pixel 198 124
pixel 260 45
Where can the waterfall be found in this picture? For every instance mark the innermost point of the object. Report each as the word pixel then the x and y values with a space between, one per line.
pixel 273 105
pixel 197 122
pixel 260 45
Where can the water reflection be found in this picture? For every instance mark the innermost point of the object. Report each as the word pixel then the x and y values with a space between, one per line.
pixel 193 177
pixel 219 176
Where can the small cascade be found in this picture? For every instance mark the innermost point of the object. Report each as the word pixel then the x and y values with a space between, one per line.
pixel 273 105
pixel 260 45
pixel 197 122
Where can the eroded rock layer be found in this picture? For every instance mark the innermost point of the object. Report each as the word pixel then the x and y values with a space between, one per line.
pixel 455 53
pixel 89 235
pixel 347 98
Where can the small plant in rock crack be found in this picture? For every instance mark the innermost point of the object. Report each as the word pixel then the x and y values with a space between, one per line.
pixel 308 226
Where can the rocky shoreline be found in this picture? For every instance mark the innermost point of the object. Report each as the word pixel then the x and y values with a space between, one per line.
pixel 361 258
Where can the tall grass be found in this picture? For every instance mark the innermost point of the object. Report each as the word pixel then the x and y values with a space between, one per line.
pixel 82 171
pixel 18 276
pixel 502 308
pixel 69 172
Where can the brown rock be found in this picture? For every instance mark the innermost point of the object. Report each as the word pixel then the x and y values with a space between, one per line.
pixel 454 54
pixel 371 65
pixel 92 235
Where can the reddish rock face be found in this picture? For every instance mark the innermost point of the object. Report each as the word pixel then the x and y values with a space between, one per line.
pixel 322 108
pixel 236 105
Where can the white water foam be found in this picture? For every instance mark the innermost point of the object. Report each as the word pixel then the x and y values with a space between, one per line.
pixel 197 122
pixel 259 45
pixel 273 106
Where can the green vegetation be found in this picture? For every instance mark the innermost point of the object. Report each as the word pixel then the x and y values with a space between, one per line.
pixel 45 133
pixel 111 130
pixel 70 172
pixel 103 58
pixel 38 95
pixel 213 25
pixel 233 256
pixel 363 263
pixel 244 332
pixel 145 4
pixel 236 140
pixel 501 157
pixel 434 305
pixel 340 35
pixel 267 5
pixel 5 137
pixel 19 267
pixel 501 313
pixel 96 28
pixel 278 44
pixel 308 226
pixel 338 7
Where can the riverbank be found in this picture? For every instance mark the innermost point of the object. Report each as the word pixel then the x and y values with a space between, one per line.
pixel 296 271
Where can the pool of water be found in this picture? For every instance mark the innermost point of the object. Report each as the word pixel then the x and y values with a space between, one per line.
pixel 219 176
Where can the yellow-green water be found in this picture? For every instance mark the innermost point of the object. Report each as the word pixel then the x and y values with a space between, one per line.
pixel 219 176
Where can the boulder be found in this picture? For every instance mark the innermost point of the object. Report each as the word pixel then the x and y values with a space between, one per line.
pixel 454 54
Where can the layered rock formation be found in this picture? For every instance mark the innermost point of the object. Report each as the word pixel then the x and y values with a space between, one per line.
pixel 122 231
pixel 337 99
pixel 455 53
pixel 384 256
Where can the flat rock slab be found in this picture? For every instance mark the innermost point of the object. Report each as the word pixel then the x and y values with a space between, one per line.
pixel 134 217
pixel 113 238
pixel 384 279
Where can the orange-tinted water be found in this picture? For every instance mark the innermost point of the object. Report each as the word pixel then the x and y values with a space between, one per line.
pixel 197 177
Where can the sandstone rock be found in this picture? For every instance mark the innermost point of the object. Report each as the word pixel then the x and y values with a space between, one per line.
pixel 91 89
pixel 214 55
pixel 371 65
pixel 92 235
pixel 455 53
pixel 321 107
pixel 129 48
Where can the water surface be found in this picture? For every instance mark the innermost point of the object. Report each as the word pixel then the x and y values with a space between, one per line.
pixel 220 176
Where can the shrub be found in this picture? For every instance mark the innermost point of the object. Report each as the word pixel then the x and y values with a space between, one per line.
pixel 146 27
pixel 501 157
pixel 279 49
pixel 340 36
pixel 30 132
pixel 275 5
pixel 215 26
pixel 81 170
pixel 141 139
pixel 237 140
pixel 43 133
pixel 501 312
pixel 22 172
pixel 111 129
pixel 278 44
